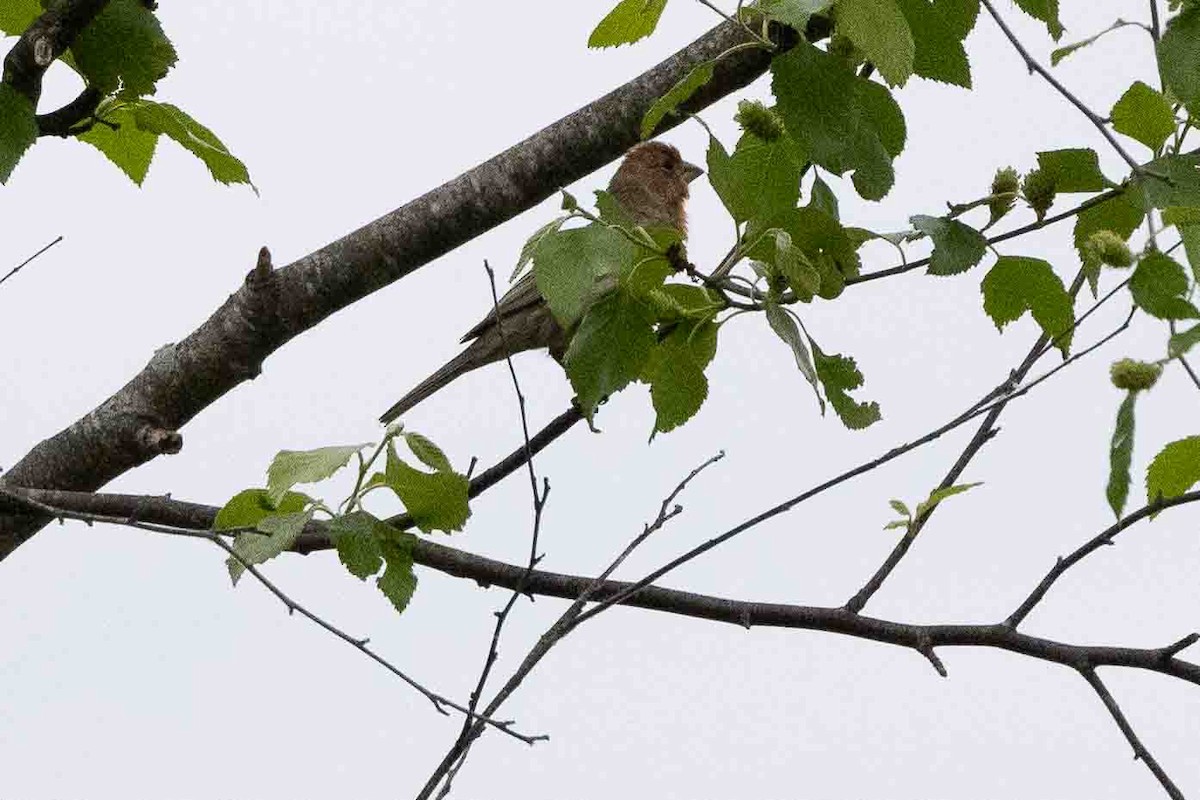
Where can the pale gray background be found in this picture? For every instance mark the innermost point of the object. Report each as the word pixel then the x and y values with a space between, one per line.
pixel 131 669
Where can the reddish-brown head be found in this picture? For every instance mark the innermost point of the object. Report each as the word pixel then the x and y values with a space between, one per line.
pixel 652 185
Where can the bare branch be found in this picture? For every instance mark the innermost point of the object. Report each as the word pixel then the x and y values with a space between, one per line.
pixel 18 267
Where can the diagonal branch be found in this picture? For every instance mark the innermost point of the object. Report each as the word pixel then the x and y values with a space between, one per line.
pixel 142 420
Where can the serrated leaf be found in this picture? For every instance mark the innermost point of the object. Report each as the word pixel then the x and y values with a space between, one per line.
pixel 879 29
pixel 249 507
pixel 1174 470
pixel 1073 169
pixel 675 372
pixel 837 120
pixel 1180 343
pixel 170 121
pixel 839 375
pixel 820 238
pixel 1120 456
pixel 531 244
pixel 568 264
pixel 801 275
pixel 793 13
pixel 127 146
pixel 291 467
pixel 938 29
pixel 609 349
pixel 938 495
pixel 1179 57
pixel 18 129
pixel 427 452
pixel 1143 114
pixel 124 48
pixel 280 532
pixel 398 581
pixel 1171 181
pixel 786 329
pixel 677 94
pixel 758 180
pixel 956 246
pixel 357 540
pixel 1159 286
pixel 435 501
pixel 1045 11
pixel 1017 284
pixel 823 198
pixel 630 21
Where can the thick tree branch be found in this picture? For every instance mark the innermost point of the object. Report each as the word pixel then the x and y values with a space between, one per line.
pixel 143 418
pixel 47 38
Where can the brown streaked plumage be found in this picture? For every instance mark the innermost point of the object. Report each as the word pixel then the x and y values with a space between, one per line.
pixel 652 186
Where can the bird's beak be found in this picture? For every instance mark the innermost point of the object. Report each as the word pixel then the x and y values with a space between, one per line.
pixel 690 171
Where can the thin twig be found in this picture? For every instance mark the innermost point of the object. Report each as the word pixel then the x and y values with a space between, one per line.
pixel 1100 540
pixel 1034 66
pixel 18 267
pixel 439 702
pixel 1139 750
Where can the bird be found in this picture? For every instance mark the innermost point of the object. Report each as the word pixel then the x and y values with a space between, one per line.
pixel 651 186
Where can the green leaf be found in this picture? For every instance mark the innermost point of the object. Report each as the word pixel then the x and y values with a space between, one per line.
pixel 1045 11
pixel 879 29
pixel 18 129
pixel 839 121
pixel 786 329
pixel 306 466
pixel 1171 181
pixel 938 29
pixel 938 495
pixel 793 13
pixel 675 372
pixel 1159 286
pixel 128 146
pixel 124 48
pixel 249 507
pixel 1143 114
pixel 900 508
pixel 801 275
pixel 531 244
pixel 839 375
pixel 956 247
pixel 1073 170
pixel 398 581
pixel 357 536
pixel 435 501
pixel 609 349
pixel 687 86
pixel 1018 284
pixel 254 548
pixel 16 16
pixel 1179 58
pixel 1120 456
pixel 166 119
pixel 630 21
pixel 1059 53
pixel 897 523
pixel 568 264
pixel 1174 470
pixel 820 238
pixel 759 180
pixel 427 452
pixel 1180 343
pixel 823 198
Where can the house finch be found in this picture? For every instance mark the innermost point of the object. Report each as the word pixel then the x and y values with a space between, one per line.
pixel 651 185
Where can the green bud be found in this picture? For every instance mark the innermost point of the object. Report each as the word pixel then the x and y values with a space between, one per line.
pixel 1039 192
pixel 757 119
pixel 1133 375
pixel 1107 247
pixel 1005 185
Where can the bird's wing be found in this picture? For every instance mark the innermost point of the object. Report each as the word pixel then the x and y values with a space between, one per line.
pixel 523 294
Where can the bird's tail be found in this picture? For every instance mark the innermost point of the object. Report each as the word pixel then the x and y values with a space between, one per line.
pixel 464 362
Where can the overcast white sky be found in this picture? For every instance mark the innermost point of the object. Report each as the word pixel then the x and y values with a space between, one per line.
pixel 131 669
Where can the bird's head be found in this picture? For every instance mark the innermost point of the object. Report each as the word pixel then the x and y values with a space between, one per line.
pixel 652 183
